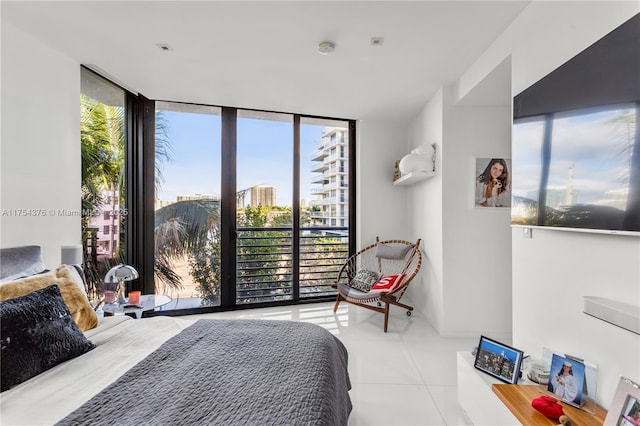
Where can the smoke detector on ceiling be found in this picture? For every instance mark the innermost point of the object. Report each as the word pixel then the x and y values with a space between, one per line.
pixel 326 47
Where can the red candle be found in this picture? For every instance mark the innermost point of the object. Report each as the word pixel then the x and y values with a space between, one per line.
pixel 134 297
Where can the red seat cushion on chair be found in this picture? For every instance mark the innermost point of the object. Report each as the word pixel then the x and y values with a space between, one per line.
pixel 388 283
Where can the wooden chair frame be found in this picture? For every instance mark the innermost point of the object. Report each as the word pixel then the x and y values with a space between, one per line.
pixel 410 266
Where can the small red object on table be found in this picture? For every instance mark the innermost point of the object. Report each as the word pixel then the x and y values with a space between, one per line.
pixel 134 297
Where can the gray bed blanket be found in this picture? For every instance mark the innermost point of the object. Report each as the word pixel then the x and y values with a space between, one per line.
pixel 231 372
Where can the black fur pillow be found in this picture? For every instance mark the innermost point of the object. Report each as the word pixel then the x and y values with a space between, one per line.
pixel 38 333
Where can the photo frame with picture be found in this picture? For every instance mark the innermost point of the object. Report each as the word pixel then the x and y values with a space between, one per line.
pixel 498 360
pixel 625 407
pixel 492 182
pixel 585 373
pixel 567 380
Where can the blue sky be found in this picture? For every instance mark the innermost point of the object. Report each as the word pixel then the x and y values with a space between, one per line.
pixel 590 148
pixel 500 350
pixel 264 155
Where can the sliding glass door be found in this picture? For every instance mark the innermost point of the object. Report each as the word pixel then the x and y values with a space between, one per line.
pixel 264 209
pixel 324 203
pixel 251 207
pixel 187 204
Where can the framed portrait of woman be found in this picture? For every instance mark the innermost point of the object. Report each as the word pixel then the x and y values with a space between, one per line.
pixel 493 182
pixel 567 380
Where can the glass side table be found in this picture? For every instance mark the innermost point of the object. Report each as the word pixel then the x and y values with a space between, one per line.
pixel 148 302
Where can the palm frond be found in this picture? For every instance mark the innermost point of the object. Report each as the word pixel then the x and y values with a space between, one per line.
pixel 197 217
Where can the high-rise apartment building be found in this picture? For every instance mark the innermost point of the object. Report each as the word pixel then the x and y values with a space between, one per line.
pixel 331 206
pixel 263 196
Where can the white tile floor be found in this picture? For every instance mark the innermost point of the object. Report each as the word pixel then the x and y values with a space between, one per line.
pixel 406 376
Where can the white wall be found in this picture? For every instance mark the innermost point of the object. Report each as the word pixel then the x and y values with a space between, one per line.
pixel 546 35
pixel 477 237
pixel 554 270
pixel 379 204
pixel 441 210
pixel 40 145
pixel 424 216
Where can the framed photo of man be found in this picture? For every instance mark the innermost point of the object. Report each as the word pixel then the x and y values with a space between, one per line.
pixel 493 182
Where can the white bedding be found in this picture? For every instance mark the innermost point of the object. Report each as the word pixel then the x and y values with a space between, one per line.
pixel 121 343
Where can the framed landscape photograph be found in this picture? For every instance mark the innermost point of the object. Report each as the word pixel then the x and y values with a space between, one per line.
pixel 625 407
pixel 498 360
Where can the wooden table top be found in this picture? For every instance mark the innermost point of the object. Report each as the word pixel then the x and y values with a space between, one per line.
pixel 518 399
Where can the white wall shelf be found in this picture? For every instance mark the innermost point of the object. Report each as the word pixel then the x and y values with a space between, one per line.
pixel 418 165
pixel 414 177
pixel 622 314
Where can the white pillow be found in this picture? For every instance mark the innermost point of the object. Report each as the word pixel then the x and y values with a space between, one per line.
pixel 77 278
pixel 36 268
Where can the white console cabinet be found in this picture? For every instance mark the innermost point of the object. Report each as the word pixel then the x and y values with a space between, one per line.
pixel 481 405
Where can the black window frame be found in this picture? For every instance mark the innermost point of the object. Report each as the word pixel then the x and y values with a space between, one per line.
pixel 140 198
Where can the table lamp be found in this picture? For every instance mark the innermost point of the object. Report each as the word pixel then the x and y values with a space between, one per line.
pixel 119 274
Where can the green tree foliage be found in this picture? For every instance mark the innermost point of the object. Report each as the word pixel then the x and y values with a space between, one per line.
pixel 102 144
pixel 102 171
pixel 190 229
pixel 102 140
pixel 205 270
pixel 264 255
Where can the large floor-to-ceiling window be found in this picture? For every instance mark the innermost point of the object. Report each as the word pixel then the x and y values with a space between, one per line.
pixel 251 207
pixel 102 139
pixel 217 207
pixel 187 203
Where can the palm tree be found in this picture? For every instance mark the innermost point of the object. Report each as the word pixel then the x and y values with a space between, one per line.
pixel 186 229
pixel 102 147
pixel 99 152
pixel 163 147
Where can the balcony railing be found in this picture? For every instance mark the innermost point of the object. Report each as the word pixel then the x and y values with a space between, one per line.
pixel 264 262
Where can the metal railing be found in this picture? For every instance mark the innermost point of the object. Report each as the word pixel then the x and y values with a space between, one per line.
pixel 264 262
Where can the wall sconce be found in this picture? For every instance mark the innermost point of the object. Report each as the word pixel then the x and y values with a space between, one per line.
pixel 120 274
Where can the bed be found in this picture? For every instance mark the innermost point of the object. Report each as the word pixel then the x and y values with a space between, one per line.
pixel 172 370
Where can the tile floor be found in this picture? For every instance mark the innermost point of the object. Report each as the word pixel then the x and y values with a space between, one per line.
pixel 406 376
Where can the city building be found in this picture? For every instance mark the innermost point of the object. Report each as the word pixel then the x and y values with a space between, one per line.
pixel 104 225
pixel 263 196
pixel 331 176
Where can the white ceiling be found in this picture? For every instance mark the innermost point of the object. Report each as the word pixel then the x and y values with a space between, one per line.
pixel 264 55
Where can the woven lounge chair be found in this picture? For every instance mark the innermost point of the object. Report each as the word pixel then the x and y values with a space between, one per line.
pixel 373 277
